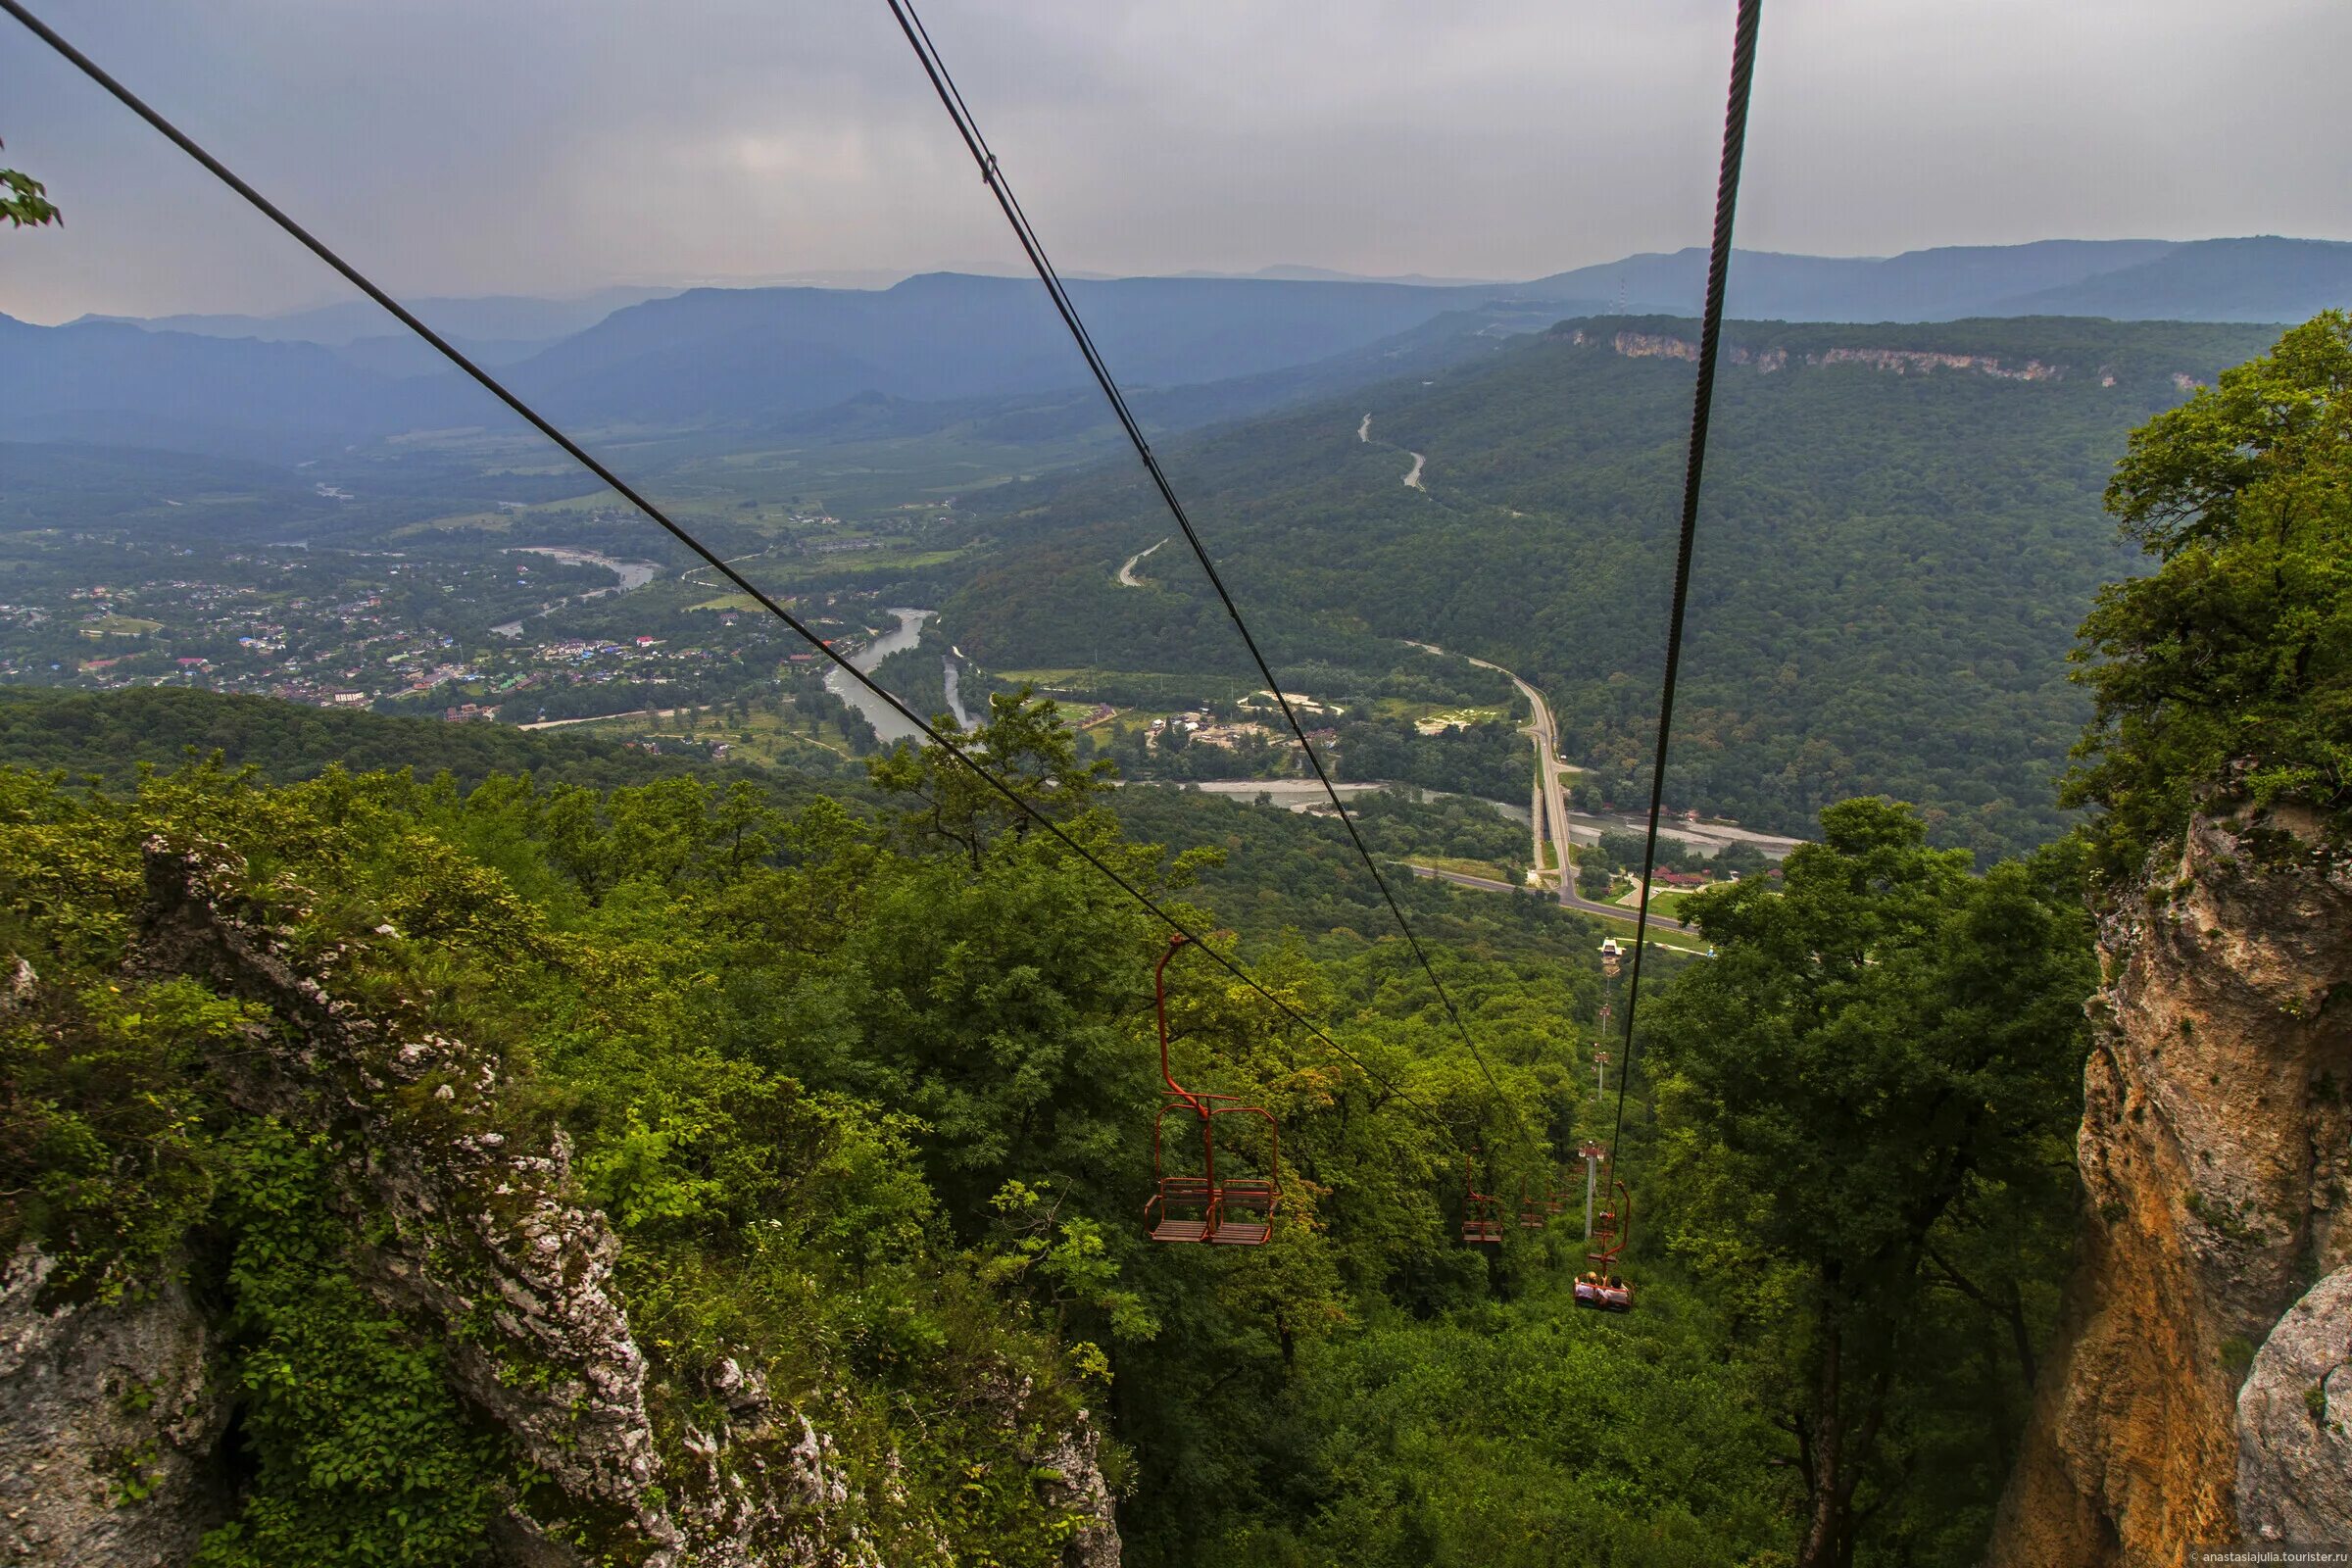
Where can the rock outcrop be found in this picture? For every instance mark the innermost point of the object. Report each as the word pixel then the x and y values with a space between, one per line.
pixel 2215 1147
pixel 1897 362
pixel 475 1233
pixel 109 1422
pixel 2294 1456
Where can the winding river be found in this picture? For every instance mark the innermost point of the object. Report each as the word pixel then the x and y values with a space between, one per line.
pixel 886 719
pixel 633 575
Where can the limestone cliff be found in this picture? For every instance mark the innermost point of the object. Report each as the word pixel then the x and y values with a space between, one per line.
pixel 109 1421
pixel 2210 1316
pixel 114 1420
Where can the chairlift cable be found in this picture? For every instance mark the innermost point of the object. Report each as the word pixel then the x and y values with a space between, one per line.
pixel 580 455
pixel 1710 335
pixel 951 98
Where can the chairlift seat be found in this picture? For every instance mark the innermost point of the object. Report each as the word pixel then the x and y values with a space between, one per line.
pixel 1255 1197
pixel 1201 1208
pixel 1187 1209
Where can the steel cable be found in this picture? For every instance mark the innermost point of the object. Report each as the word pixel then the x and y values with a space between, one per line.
pixel 1710 338
pixel 580 455
pixel 951 98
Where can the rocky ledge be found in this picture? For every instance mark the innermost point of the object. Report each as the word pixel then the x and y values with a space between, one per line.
pixel 113 1426
pixel 2187 1400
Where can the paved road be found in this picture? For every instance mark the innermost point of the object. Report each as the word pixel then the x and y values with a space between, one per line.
pixel 607 719
pixel 1615 911
pixel 1127 577
pixel 1551 803
pixel 1461 878
pixel 1552 819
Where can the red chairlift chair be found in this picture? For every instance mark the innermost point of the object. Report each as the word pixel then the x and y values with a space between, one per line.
pixel 1237 1211
pixel 1610 1228
pixel 1536 1212
pixel 1554 1201
pixel 1482 1212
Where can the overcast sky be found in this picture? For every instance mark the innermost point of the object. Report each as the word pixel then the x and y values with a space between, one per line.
pixel 552 146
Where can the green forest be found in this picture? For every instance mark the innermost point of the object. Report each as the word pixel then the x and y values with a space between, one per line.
pixel 1894 552
pixel 859 1063
pixel 906 1049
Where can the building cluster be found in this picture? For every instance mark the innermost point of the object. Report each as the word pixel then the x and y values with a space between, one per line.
pixel 1203 729
pixel 260 624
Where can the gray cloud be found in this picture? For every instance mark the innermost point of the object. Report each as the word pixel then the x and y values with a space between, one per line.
pixel 528 146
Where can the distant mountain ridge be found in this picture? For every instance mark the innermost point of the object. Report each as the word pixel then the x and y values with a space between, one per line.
pixel 2263 278
pixel 760 356
pixel 492 316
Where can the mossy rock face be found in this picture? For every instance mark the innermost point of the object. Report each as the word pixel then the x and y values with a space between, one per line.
pixel 109 1420
pixel 466 1226
pixel 413 1332
pixel 2293 1448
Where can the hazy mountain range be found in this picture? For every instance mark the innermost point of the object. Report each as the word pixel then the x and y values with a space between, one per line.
pixel 276 386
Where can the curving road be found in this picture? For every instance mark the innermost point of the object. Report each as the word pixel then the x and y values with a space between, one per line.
pixel 1127 577
pixel 1551 804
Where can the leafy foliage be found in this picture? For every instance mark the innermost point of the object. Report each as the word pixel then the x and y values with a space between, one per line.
pixel 865 1095
pixel 363 1455
pixel 25 201
pixel 1879 1075
pixel 2237 649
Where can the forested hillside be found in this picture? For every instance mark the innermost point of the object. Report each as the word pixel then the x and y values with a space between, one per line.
pixel 114 735
pixel 1900 528
pixel 862 1091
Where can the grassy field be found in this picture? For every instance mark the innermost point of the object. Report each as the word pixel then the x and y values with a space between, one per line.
pixel 122 626
pixel 1075 715
pixel 762 738
pixel 1620 926
pixel 1659 936
pixel 1666 903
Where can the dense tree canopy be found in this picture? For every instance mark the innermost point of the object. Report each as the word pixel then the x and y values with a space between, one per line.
pixel 1869 1093
pixel 918 1038
pixel 1892 550
pixel 2238 648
